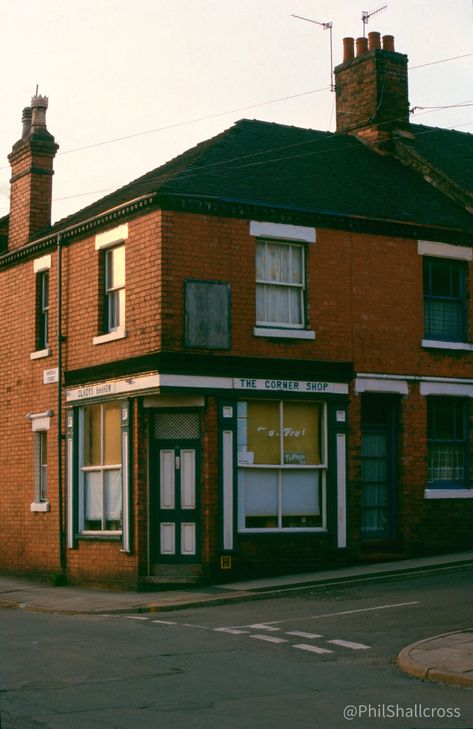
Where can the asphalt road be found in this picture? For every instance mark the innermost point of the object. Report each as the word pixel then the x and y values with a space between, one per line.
pixel 280 663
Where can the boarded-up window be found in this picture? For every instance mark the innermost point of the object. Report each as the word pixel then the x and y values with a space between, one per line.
pixel 208 314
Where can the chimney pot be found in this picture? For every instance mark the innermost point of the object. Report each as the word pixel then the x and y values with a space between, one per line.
pixel 388 43
pixel 26 121
pixel 348 49
pixel 39 104
pixel 374 40
pixel 361 46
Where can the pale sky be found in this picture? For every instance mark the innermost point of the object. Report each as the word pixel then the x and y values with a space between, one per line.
pixel 185 70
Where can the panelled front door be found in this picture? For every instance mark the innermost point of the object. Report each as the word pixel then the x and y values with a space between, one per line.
pixel 175 491
pixel 177 502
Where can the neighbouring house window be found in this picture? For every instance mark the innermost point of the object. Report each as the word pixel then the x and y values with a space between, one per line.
pixel 114 288
pixel 43 310
pixel 101 468
pixel 447 433
pixel 41 466
pixel 280 284
pixel 445 299
pixel 281 465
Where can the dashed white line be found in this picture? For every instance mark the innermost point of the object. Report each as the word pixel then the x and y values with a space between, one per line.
pixel 301 634
pixel 311 648
pixel 135 617
pixel 262 626
pixel 269 638
pixel 232 631
pixel 165 622
pixel 349 644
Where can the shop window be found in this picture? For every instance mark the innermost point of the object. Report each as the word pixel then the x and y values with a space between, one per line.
pixel 101 492
pixel 447 433
pixel 445 300
pixel 280 284
pixel 281 465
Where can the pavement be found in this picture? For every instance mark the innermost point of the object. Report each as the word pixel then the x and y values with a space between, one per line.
pixel 447 658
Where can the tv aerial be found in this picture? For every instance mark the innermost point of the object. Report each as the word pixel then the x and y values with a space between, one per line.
pixel 325 26
pixel 366 15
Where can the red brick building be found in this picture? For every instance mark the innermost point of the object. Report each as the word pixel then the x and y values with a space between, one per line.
pixel 256 358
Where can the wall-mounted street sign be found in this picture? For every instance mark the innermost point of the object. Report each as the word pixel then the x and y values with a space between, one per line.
pixel 50 376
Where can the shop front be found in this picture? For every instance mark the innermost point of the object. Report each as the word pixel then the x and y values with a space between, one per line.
pixel 194 477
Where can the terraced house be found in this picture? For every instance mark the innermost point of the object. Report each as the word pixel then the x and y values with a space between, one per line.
pixel 255 358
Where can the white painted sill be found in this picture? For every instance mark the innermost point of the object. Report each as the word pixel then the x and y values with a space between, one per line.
pixel 437 344
pixel 40 353
pixel 40 506
pixel 109 337
pixel 284 333
pixel 448 494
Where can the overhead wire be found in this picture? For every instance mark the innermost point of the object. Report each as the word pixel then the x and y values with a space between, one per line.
pixel 255 154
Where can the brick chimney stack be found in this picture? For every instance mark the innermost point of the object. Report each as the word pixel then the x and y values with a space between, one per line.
pixel 31 161
pixel 372 89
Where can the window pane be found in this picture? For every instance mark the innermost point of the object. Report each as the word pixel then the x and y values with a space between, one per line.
pixel 93 500
pixel 295 304
pixel 115 262
pixel 301 433
pixel 263 432
pixel 277 304
pixel 300 499
pixel 261 498
pixel 447 464
pixel 112 434
pixel 278 263
pixel 92 427
pixel 260 303
pixel 445 419
pixel 113 499
pixel 440 278
pixel 296 264
pixel 444 319
pixel 261 261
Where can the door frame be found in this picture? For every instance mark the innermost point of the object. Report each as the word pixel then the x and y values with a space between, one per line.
pixel 391 404
pixel 156 514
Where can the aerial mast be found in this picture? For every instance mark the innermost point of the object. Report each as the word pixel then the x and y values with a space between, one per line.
pixel 325 26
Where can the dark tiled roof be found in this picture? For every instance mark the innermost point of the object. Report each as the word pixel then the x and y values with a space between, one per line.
pixel 448 150
pixel 271 164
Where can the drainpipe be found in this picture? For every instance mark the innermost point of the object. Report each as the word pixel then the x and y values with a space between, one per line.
pixel 60 435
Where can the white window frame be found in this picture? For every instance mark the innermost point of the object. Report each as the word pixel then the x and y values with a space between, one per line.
pixel 101 468
pixel 284 285
pixel 40 424
pixel 41 266
pixel 104 241
pixel 322 468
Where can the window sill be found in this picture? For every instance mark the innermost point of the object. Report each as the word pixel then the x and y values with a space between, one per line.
pixel 109 337
pixel 448 494
pixel 40 506
pixel 288 530
pixel 440 344
pixel 283 333
pixel 40 353
pixel 101 536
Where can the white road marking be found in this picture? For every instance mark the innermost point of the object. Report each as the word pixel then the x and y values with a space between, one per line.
pixel 165 622
pixel 301 634
pixel 232 631
pixel 311 648
pixel 135 617
pixel 262 626
pixel 330 615
pixel 269 638
pixel 349 644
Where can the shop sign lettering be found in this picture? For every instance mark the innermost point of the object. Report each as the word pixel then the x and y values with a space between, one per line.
pixel 302 386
